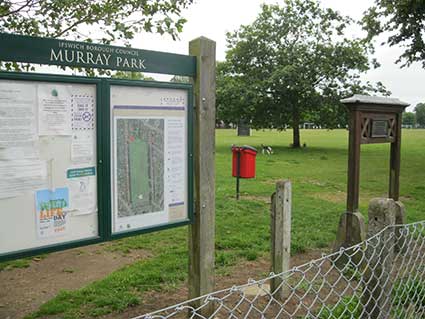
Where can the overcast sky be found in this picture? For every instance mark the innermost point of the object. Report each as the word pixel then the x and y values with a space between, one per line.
pixel 213 18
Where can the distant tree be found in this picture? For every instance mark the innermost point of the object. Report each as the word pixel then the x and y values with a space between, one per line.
pixel 404 21
pixel 409 118
pixel 293 63
pixel 233 96
pixel 112 20
pixel 102 21
pixel 132 76
pixel 420 114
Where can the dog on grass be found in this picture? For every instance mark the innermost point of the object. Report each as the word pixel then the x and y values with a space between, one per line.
pixel 266 149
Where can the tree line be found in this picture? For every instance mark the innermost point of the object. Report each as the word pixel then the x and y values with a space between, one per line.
pixel 296 61
pixel 291 65
pixel 416 118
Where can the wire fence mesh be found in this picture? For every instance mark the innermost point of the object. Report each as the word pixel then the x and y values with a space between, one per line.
pixel 382 277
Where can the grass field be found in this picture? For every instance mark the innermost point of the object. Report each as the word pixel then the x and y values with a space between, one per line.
pixel 318 174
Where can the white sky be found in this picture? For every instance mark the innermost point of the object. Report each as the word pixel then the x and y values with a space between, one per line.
pixel 213 18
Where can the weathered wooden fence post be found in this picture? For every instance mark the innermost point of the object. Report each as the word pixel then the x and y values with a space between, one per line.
pixel 380 256
pixel 201 233
pixel 281 207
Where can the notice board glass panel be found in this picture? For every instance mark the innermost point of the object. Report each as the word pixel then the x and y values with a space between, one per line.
pixel 48 171
pixel 149 157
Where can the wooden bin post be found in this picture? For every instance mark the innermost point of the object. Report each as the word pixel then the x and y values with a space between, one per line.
pixel 202 232
pixel 281 207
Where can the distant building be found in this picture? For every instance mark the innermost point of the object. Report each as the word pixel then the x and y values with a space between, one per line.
pixel 310 126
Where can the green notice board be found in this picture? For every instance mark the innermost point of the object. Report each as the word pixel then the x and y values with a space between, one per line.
pixel 116 173
pixel 86 160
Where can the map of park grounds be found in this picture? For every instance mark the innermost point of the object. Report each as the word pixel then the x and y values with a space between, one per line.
pixel 140 166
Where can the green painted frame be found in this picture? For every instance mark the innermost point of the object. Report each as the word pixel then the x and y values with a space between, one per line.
pixel 103 141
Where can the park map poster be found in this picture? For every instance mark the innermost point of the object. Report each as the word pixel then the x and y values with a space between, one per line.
pixel 149 157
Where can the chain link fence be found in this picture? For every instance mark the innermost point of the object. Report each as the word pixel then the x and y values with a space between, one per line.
pixel 382 277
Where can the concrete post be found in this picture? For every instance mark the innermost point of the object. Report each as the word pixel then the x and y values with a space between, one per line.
pixel 400 219
pixel 380 256
pixel 351 230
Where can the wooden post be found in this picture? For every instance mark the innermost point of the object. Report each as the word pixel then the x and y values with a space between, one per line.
pixel 201 233
pixel 353 178
pixel 353 184
pixel 394 188
pixel 280 235
pixel 238 174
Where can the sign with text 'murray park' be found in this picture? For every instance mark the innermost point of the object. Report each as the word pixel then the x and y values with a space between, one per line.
pixel 18 48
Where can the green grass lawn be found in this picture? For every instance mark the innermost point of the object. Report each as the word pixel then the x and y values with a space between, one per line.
pixel 318 175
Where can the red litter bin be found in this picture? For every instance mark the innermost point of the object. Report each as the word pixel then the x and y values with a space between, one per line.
pixel 246 155
pixel 243 163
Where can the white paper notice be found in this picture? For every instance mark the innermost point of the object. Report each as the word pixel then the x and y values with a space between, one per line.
pixel 19 176
pixel 17 114
pixel 176 154
pixel 82 195
pixel 19 152
pixel 82 146
pixel 54 105
pixel 82 107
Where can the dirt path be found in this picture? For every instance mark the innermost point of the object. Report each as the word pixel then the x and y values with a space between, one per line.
pixel 22 291
pixel 238 275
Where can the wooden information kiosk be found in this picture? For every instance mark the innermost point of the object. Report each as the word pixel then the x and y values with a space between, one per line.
pixel 372 120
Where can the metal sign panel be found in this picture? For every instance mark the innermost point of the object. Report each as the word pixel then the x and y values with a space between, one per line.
pixel 379 128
